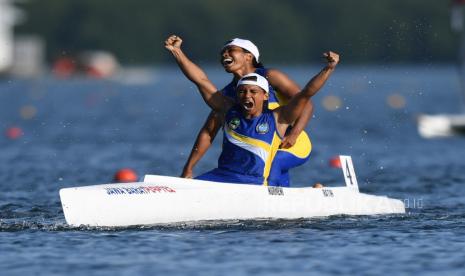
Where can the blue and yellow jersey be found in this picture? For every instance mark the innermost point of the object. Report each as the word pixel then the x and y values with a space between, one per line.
pixel 282 160
pixel 249 145
pixel 303 145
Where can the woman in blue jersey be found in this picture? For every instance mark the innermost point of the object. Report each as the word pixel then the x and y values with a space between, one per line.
pixel 252 132
pixel 240 57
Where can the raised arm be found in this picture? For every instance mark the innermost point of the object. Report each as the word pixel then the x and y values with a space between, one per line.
pixel 195 74
pixel 288 88
pixel 204 140
pixel 288 114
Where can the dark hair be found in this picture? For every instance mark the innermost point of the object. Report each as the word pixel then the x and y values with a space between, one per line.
pixel 255 63
pixel 252 78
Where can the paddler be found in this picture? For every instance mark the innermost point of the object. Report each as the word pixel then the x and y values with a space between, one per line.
pixel 240 57
pixel 252 131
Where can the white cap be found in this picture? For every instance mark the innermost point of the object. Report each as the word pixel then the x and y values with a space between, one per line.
pixel 244 44
pixel 254 79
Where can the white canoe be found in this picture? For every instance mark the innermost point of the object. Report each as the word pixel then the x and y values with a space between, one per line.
pixel 164 199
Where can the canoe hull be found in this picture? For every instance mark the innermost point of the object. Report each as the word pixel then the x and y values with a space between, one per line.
pixel 162 199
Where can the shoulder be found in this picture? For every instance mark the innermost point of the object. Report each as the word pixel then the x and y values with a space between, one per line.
pixel 270 73
pixel 275 75
pixel 282 83
pixel 276 78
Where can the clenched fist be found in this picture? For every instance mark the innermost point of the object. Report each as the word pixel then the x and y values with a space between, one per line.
pixel 172 42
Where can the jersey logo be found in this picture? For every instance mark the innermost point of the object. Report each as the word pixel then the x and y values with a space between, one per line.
pixel 234 123
pixel 262 128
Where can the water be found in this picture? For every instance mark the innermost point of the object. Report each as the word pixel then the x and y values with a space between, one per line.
pixel 81 131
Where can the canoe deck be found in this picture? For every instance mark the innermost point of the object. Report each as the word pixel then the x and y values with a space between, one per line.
pixel 164 199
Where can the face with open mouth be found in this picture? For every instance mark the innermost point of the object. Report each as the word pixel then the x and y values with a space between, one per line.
pixel 251 99
pixel 232 58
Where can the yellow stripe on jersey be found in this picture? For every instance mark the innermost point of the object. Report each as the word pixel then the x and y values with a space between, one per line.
pixel 265 151
pixel 273 149
pixel 281 101
pixel 281 98
pixel 302 146
pixel 258 147
pixel 272 106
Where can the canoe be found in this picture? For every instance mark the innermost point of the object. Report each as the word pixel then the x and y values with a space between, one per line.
pixel 164 199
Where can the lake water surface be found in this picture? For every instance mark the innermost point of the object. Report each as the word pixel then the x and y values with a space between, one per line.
pixel 80 131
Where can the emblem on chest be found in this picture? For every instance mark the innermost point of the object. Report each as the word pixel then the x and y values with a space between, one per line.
pixel 234 123
pixel 262 128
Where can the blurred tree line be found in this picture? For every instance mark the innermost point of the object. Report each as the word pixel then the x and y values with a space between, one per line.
pixel 292 31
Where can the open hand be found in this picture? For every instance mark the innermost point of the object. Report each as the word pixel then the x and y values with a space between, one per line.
pixel 332 58
pixel 172 42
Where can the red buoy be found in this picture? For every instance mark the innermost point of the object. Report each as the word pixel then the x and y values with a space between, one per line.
pixel 14 133
pixel 335 162
pixel 125 175
pixel 64 67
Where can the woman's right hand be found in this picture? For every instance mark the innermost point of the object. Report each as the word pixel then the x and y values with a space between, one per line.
pixel 173 42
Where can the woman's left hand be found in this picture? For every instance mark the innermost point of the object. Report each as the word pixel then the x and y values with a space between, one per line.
pixel 288 141
pixel 332 59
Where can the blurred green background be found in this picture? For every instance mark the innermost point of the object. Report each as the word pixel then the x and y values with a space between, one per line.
pixel 293 31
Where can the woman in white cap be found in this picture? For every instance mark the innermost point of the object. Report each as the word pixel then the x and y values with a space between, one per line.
pixel 240 57
pixel 252 132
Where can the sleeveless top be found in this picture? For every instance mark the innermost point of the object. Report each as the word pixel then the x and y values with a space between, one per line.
pixel 249 145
